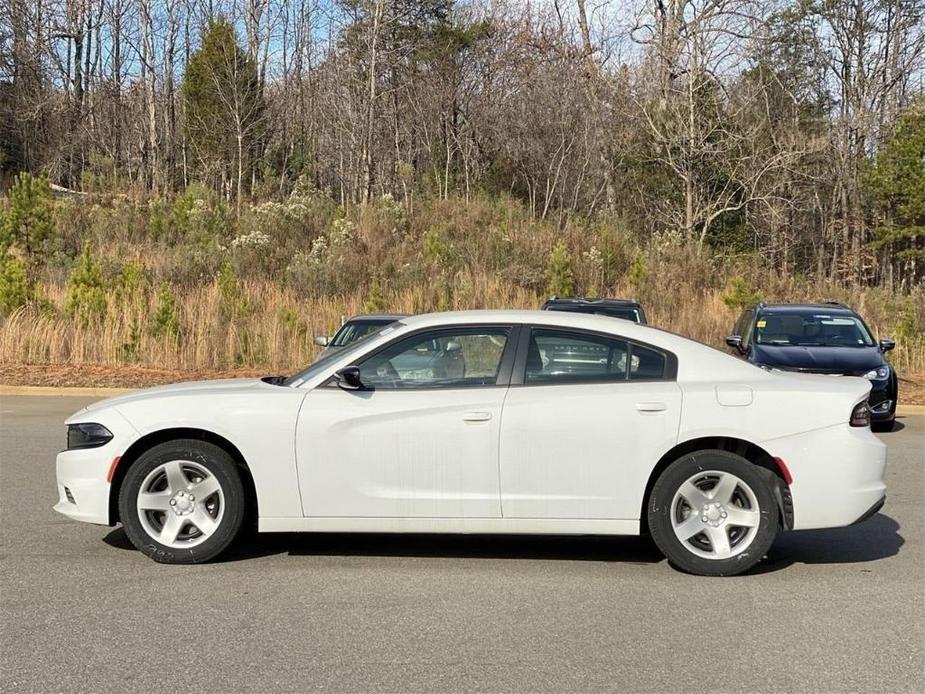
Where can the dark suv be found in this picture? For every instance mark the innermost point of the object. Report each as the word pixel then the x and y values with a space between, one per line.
pixel 827 338
pixel 628 309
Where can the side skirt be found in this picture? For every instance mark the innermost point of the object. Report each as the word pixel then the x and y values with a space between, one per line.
pixel 488 526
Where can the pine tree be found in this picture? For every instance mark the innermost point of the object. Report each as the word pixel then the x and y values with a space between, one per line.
pixel 896 184
pixel 224 106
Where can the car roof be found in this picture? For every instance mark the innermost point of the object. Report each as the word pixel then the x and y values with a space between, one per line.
pixel 592 302
pixel 831 308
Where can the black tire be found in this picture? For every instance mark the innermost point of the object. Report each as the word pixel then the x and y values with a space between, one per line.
pixel 885 426
pixel 217 462
pixel 682 554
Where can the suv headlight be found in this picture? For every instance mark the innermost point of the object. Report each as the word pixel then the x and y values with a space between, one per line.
pixel 878 374
pixel 87 435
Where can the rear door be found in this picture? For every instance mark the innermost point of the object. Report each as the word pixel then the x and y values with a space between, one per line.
pixel 584 422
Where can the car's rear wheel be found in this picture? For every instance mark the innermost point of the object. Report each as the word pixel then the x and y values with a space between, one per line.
pixel 713 513
pixel 182 502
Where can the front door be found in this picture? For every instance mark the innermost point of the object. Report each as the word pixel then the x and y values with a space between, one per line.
pixel 420 440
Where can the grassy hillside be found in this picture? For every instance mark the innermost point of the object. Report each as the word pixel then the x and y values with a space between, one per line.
pixel 181 284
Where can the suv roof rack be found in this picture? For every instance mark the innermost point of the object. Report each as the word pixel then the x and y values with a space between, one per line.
pixel 586 300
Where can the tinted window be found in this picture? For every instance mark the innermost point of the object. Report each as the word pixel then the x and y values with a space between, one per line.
pixel 438 359
pixel 748 324
pixel 808 329
pixel 555 356
pixel 625 313
pixel 646 363
pixel 354 330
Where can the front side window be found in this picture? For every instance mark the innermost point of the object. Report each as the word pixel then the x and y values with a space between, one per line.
pixel 457 358
pixel 748 323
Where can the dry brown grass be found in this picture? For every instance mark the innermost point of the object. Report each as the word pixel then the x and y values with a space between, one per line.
pixel 260 338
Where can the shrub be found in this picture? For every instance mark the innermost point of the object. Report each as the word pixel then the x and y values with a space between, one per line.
pixel 86 294
pixel 15 289
pixel 639 272
pixel 28 223
pixel 739 294
pixel 436 249
pixel 559 278
pixel 128 350
pixel 166 319
pixel 232 302
pixel 375 302
pixel 131 284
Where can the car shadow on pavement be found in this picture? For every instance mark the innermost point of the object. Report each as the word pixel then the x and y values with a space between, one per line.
pixel 897 427
pixel 638 550
pixel 555 547
pixel 876 538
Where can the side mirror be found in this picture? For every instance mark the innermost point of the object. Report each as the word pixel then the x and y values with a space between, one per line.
pixel 348 378
pixel 887 345
pixel 734 341
pixel 452 346
pixel 322 340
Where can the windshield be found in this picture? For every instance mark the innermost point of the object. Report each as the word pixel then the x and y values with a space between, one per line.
pixel 354 330
pixel 811 330
pixel 323 362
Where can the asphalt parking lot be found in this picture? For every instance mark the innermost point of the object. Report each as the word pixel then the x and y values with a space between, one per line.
pixel 828 611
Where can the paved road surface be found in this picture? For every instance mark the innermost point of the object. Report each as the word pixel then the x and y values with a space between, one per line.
pixel 838 610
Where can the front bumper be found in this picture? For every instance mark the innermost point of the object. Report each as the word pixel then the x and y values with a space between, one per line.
pixel 882 400
pixel 837 474
pixel 83 484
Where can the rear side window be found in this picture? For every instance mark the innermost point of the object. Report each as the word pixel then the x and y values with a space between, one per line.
pixel 562 356
pixel 646 364
pixel 555 356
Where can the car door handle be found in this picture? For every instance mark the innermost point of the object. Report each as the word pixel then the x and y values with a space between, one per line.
pixel 651 406
pixel 478 416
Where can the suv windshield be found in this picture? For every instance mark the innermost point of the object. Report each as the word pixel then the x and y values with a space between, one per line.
pixel 624 313
pixel 323 362
pixel 354 330
pixel 811 329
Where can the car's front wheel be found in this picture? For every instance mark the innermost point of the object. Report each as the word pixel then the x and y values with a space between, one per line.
pixel 713 513
pixel 182 502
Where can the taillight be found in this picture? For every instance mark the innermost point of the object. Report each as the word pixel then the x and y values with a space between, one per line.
pixel 860 415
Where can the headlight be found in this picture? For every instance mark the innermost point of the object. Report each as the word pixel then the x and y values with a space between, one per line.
pixel 878 374
pixel 87 436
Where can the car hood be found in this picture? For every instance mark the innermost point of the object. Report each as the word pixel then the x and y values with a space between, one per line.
pixel 842 360
pixel 219 386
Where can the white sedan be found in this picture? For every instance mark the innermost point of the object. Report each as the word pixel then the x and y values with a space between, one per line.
pixel 486 422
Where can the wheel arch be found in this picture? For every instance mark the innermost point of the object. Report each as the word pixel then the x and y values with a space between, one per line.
pixel 154 438
pixel 752 452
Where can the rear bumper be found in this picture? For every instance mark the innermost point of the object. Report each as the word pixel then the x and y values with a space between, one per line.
pixel 837 474
pixel 871 511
